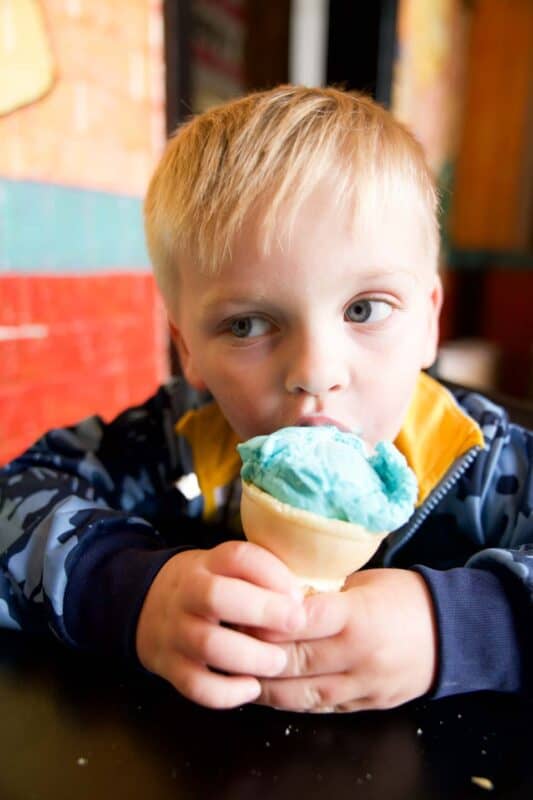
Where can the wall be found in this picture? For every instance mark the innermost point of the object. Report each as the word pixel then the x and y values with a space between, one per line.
pixel 81 125
pixel 464 83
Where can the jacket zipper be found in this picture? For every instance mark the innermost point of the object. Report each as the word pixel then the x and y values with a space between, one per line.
pixel 440 491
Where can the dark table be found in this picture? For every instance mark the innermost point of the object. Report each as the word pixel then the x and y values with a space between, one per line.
pixel 74 726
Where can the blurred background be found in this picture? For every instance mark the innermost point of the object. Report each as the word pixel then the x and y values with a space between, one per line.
pixel 89 91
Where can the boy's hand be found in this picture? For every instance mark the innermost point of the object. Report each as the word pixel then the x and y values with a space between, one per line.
pixel 370 646
pixel 182 633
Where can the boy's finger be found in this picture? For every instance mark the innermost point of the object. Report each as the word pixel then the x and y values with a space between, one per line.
pixel 312 657
pixel 255 564
pixel 240 603
pixel 265 635
pixel 326 614
pixel 326 694
pixel 320 648
pixel 228 650
pixel 197 683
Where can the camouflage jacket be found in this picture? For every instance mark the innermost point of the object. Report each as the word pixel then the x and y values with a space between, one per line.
pixel 90 513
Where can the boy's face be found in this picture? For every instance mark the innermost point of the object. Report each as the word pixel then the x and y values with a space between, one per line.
pixel 333 325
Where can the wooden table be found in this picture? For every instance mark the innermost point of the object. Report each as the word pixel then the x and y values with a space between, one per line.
pixel 74 726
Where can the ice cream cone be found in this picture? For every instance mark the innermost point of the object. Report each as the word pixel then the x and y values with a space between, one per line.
pixel 320 551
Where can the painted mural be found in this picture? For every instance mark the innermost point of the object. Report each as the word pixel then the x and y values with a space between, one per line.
pixel 81 126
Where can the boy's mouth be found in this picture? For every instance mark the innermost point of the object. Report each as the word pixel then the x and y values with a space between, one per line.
pixel 314 420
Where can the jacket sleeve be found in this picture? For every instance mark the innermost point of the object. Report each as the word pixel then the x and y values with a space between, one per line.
pixel 81 520
pixel 484 610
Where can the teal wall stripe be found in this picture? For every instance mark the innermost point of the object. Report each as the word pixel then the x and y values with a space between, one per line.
pixel 49 228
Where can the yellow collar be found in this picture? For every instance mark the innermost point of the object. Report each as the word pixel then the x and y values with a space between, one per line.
pixel 212 442
pixel 435 433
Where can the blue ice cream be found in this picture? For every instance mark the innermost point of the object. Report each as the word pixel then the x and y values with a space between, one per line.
pixel 327 471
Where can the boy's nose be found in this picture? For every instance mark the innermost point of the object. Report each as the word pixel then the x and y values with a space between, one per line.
pixel 316 368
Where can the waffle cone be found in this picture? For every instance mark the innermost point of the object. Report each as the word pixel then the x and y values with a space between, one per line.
pixel 321 552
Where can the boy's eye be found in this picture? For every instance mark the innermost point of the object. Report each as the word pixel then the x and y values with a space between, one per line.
pixel 368 311
pixel 247 327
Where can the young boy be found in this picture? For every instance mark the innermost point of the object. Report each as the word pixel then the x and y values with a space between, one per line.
pixel 294 240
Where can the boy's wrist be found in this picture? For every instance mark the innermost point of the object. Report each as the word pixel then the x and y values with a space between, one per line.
pixel 480 639
pixel 104 598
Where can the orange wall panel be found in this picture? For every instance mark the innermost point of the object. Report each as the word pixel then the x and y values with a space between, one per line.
pixel 493 195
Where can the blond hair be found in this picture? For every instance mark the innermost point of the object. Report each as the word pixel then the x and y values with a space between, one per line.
pixel 271 149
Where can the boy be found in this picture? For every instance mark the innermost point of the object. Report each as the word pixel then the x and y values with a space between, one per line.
pixel 294 240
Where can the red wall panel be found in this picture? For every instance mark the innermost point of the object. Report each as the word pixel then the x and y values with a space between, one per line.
pixel 73 346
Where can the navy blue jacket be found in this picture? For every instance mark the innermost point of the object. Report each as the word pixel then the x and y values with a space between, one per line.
pixel 90 513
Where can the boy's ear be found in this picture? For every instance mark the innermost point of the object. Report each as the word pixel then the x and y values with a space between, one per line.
pixel 186 359
pixel 434 307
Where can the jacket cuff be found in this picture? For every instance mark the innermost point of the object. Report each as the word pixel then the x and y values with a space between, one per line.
pixel 483 640
pixel 106 591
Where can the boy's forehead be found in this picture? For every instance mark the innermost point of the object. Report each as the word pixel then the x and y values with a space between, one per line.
pixel 377 232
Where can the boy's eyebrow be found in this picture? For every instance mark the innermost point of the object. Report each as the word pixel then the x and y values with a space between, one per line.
pixel 217 298
pixel 214 300
pixel 402 274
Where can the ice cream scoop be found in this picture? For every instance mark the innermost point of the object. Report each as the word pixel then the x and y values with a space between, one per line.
pixel 316 499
